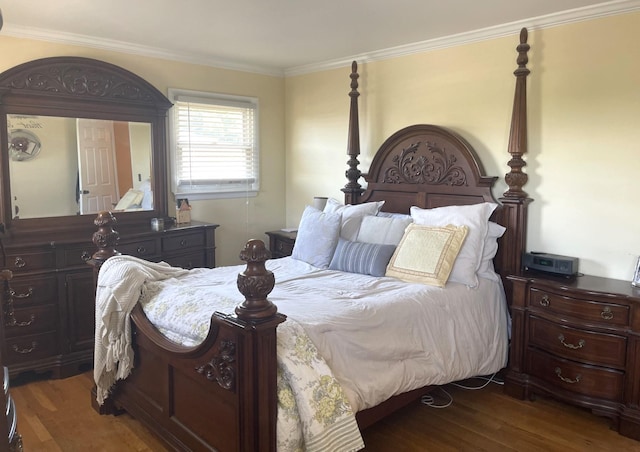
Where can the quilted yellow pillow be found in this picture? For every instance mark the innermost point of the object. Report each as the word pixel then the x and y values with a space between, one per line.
pixel 426 253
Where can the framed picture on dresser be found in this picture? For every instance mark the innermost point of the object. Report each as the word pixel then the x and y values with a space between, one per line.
pixel 636 275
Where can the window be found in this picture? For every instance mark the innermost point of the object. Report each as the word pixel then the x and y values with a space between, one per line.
pixel 214 145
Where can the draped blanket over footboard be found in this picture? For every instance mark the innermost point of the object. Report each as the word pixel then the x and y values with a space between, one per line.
pixel 350 342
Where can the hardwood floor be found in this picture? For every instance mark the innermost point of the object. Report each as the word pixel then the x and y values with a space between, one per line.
pixel 56 415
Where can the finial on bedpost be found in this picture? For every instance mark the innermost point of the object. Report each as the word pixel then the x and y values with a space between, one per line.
pixel 105 239
pixel 352 190
pixel 255 283
pixel 516 179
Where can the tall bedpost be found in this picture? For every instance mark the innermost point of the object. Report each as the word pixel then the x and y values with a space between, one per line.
pixel 353 190
pixel 515 200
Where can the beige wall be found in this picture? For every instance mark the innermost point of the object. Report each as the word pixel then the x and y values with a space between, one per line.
pixel 584 138
pixel 239 219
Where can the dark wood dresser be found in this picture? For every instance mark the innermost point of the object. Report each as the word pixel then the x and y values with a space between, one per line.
pixel 49 317
pixel 281 243
pixel 578 340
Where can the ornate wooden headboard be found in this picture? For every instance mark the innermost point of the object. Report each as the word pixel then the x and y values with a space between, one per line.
pixel 430 166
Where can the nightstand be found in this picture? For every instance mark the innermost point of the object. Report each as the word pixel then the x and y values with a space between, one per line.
pixel 281 243
pixel 577 340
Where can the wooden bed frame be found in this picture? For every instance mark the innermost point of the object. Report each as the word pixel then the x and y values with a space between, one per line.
pixel 221 395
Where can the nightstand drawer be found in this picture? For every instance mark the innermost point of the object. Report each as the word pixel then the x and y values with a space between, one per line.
pixel 583 379
pixel 578 345
pixel 281 243
pixel 593 311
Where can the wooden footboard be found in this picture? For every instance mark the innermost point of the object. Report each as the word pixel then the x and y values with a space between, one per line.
pixel 220 395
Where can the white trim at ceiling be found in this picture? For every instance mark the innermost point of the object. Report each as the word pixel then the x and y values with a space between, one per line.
pixel 575 15
pixel 551 20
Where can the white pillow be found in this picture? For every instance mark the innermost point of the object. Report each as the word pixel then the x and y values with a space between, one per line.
pixel 426 254
pixel 352 215
pixel 476 217
pixel 317 237
pixel 494 232
pixel 382 230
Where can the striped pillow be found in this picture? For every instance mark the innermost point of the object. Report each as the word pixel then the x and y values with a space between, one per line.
pixel 366 258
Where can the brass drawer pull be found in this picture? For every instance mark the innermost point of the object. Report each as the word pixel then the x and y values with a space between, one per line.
pixel 24 351
pixel 183 242
pixel 85 256
pixel 141 250
pixel 571 346
pixel 544 301
pixel 565 379
pixel 606 313
pixel 14 322
pixel 21 295
pixel 19 262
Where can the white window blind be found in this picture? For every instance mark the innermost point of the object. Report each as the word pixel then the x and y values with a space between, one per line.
pixel 215 144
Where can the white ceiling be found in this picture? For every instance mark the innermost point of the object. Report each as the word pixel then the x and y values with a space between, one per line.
pixel 286 36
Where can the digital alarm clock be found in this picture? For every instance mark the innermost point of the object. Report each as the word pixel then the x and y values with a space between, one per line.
pixel 551 263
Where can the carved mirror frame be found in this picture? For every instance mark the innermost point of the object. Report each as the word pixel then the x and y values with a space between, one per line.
pixel 82 88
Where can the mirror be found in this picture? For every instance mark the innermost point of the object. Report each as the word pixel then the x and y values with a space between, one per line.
pixel 79 136
pixel 94 165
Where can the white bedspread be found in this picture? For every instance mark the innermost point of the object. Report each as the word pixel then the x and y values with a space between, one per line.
pixel 379 336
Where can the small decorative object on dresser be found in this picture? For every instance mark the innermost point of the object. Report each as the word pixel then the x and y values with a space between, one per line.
pixel 281 243
pixel 636 275
pixel 183 211
pixel 578 340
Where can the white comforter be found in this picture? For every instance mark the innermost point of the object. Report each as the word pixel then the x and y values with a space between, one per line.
pixel 379 336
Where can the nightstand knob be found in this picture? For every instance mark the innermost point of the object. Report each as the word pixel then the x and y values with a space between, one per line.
pixel 571 346
pixel 606 313
pixel 544 301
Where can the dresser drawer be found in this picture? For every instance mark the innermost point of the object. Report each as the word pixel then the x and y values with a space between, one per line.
pixel 578 345
pixel 579 378
pixel 36 319
pixel 188 261
pixel 30 291
pixel 144 249
pixel 183 242
pixel 30 260
pixel 30 348
pixel 592 311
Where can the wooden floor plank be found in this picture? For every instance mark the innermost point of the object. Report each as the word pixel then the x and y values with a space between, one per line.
pixel 56 416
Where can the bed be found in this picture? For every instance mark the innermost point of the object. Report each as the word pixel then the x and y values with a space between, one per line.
pixel 221 389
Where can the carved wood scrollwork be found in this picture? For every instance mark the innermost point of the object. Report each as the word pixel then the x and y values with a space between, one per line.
pixel 436 168
pixel 78 80
pixel 221 368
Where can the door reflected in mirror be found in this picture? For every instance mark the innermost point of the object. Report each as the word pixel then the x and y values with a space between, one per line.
pixel 84 166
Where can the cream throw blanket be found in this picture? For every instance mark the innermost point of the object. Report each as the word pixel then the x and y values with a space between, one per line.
pixel 120 283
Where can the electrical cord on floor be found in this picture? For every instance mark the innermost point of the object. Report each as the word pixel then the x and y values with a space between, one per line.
pixel 433 402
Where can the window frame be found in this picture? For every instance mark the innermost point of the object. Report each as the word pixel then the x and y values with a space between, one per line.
pixel 213 191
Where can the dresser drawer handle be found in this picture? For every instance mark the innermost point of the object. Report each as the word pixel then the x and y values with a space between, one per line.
pixel 19 262
pixel 606 313
pixel 24 351
pixel 183 242
pixel 85 256
pixel 13 322
pixel 21 295
pixel 567 380
pixel 571 346
pixel 141 250
pixel 544 301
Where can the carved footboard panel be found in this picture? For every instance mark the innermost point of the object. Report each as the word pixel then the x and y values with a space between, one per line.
pixel 218 396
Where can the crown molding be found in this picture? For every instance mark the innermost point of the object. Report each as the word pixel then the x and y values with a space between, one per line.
pixel 614 7
pixel 536 23
pixel 40 34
